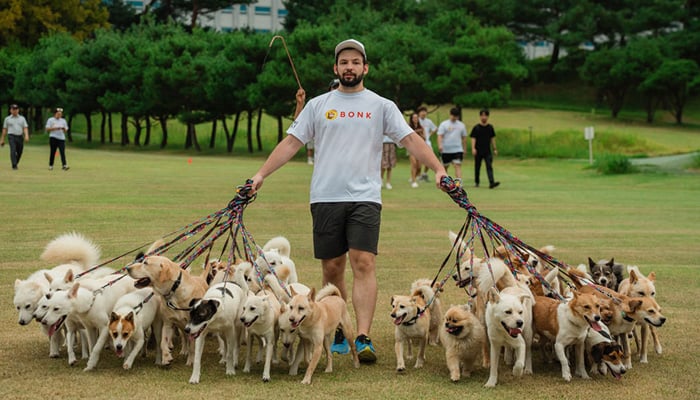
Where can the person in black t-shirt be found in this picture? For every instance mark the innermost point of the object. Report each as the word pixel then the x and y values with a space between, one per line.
pixel 483 139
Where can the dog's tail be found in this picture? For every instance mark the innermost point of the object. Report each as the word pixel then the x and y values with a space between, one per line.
pixel 425 292
pixel 71 247
pixel 326 291
pixel 280 243
pixel 463 249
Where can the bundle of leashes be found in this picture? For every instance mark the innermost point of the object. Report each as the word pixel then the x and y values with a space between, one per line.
pixel 203 233
pixel 479 230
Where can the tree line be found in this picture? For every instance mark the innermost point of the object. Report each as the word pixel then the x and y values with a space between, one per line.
pixel 436 52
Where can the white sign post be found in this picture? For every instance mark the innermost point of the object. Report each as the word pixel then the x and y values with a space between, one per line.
pixel 589 134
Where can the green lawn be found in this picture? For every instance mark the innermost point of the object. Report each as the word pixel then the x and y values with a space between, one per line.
pixel 124 200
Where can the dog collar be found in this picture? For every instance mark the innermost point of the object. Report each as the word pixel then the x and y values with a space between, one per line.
pixel 176 284
pixel 626 317
pixel 414 319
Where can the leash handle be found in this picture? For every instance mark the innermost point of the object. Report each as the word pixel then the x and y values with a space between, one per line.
pixel 244 195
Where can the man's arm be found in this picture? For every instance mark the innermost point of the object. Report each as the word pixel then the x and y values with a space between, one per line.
pixel 283 152
pixel 417 147
pixel 300 100
pixel 493 145
pixel 473 146
pixel 2 138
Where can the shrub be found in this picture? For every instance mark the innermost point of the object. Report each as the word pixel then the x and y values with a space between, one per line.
pixel 614 164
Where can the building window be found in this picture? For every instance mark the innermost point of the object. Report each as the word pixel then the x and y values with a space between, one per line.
pixel 244 9
pixel 282 13
pixel 259 10
pixel 227 10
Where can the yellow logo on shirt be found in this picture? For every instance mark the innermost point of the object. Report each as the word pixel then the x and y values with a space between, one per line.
pixel 331 115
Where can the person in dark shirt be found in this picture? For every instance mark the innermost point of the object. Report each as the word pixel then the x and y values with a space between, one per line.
pixel 483 138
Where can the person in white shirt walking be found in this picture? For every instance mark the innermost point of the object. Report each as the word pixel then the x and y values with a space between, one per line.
pixel 57 127
pixel 348 126
pixel 16 129
pixel 452 139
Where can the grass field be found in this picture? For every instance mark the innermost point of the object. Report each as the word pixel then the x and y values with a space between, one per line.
pixel 124 200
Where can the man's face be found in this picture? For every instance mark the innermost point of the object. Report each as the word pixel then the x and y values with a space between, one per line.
pixel 14 111
pixel 484 118
pixel 422 114
pixel 350 68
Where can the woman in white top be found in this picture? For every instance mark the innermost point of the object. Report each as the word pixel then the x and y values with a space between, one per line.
pixel 57 127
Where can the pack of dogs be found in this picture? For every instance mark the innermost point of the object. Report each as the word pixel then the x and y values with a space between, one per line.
pixel 583 318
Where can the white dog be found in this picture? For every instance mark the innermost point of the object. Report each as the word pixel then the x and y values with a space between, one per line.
pixel 219 311
pixel 505 321
pixel 277 252
pixel 260 317
pixel 69 251
pixel 133 315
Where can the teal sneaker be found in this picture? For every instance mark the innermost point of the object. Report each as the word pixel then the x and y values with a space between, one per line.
pixel 365 349
pixel 340 344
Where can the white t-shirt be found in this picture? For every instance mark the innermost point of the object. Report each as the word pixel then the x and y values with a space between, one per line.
pixel 348 131
pixel 429 128
pixel 53 124
pixel 452 134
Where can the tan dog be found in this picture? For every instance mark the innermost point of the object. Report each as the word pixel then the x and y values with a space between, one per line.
pixel 177 288
pixel 567 324
pixel 639 286
pixel 412 320
pixel 463 336
pixel 626 313
pixel 435 309
pixel 316 319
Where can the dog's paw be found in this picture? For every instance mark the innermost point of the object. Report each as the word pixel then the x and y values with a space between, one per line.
pixel 567 377
pixel 400 369
pixel 490 383
pixel 194 381
pixel 126 366
pixel 54 355
pixel 266 379
pixel 231 372
pixel 518 370
pixel 306 381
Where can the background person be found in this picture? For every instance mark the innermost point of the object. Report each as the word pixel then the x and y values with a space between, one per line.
pixel 348 126
pixel 388 160
pixel 415 124
pixel 16 129
pixel 452 139
pixel 483 138
pixel 57 127
pixel 429 129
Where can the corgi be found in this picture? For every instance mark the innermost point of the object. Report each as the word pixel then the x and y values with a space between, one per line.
pixel 134 314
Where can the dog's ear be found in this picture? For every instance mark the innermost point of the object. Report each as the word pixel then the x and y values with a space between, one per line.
pixel 635 305
pixel 47 276
pixel 113 317
pixel 130 317
pixel 611 262
pixel 633 276
pixel 597 352
pixel 312 294
pixel 69 277
pixel 591 264
pixel 215 304
pixel 73 292
pixel 392 301
pixel 283 308
pixel 493 296
pixel 292 291
pixel 139 256
pixel 652 276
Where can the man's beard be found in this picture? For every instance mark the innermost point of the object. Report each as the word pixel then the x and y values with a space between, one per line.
pixel 352 82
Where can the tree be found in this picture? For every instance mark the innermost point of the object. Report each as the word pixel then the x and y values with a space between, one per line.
pixel 26 21
pixel 677 80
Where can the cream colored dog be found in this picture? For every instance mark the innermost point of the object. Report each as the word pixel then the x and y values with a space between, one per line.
pixel 463 336
pixel 412 320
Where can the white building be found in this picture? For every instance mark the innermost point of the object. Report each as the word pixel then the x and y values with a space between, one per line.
pixel 262 16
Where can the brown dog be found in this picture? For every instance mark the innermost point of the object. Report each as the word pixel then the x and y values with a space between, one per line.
pixel 177 288
pixel 316 319
pixel 412 320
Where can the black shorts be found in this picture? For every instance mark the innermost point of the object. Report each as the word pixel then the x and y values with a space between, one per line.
pixel 339 227
pixel 452 158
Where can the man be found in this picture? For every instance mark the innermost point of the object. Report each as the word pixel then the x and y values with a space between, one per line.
pixel 14 127
pixel 452 139
pixel 483 139
pixel 429 129
pixel 347 126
